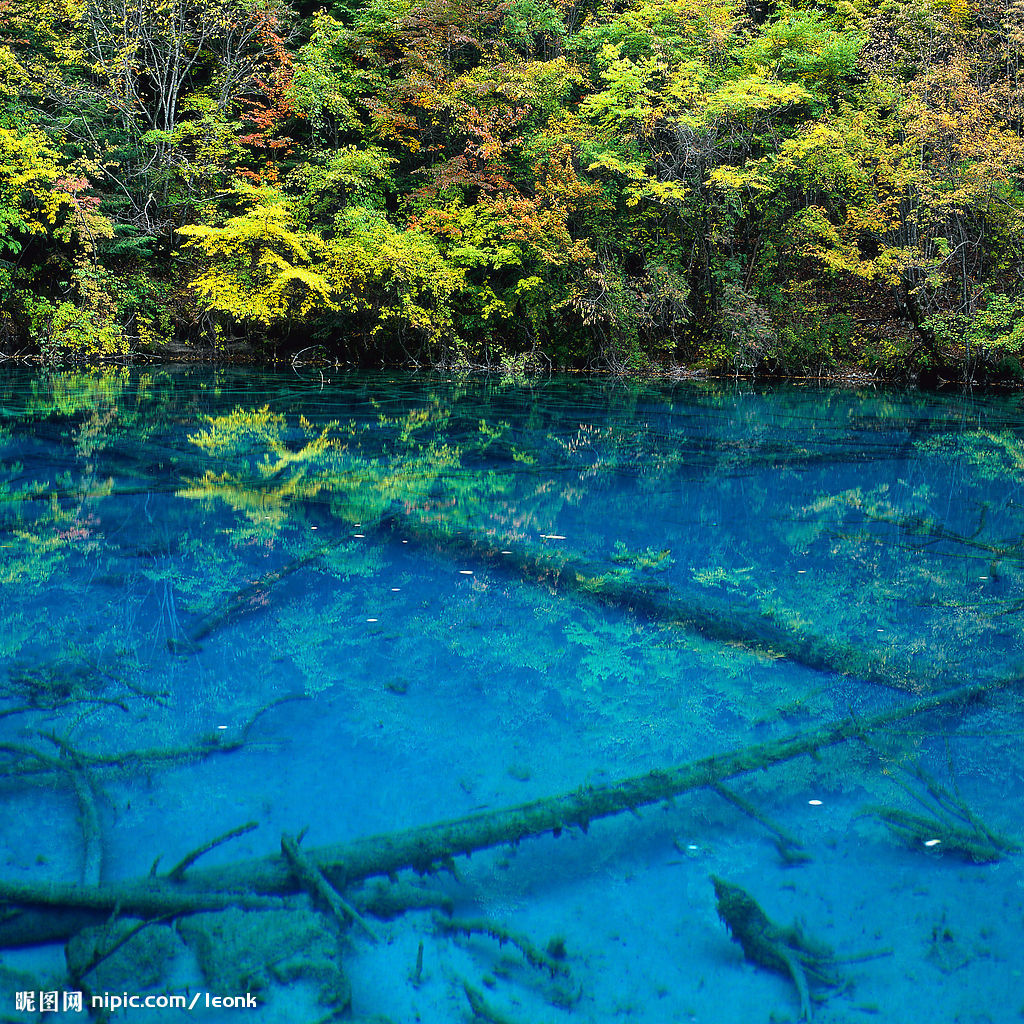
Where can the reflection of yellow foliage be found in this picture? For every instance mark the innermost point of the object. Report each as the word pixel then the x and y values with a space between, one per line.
pixel 73 391
pixel 718 576
pixel 636 561
pixel 995 456
pixel 266 508
pixel 265 478
pixel 49 522
pixel 242 431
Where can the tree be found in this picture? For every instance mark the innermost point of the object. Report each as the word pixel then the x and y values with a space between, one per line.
pixel 257 267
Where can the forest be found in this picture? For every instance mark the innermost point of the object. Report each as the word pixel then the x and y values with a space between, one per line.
pixel 789 188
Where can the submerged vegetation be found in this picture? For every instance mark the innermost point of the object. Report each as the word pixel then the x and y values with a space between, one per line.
pixel 785 187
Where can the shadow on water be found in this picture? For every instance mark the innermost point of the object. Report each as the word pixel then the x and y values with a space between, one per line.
pixel 677 665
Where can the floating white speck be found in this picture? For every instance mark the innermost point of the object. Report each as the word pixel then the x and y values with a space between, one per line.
pixel 405 542
pixel 814 803
pixel 465 572
pixel 982 577
pixel 371 620
pixel 506 552
pixel 692 846
pixel 314 527
pixel 879 630
pixel 360 535
pixel 552 536
pixel 801 571
pixel 932 842
pixel 395 590
pixel 221 726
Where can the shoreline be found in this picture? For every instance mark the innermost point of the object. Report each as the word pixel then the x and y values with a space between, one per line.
pixel 841 376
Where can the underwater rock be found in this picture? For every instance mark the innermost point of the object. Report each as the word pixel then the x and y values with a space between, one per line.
pixel 141 961
pixel 246 951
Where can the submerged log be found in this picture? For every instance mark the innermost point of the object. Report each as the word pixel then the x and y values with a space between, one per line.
pixel 45 915
pixel 252 596
pixel 731 621
pixel 30 764
pixel 784 950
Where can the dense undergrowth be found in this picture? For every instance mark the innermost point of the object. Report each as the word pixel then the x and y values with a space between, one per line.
pixel 766 187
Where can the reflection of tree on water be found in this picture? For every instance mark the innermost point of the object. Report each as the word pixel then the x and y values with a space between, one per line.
pixel 294 515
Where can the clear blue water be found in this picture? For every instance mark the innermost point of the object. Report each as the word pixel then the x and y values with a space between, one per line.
pixel 363 603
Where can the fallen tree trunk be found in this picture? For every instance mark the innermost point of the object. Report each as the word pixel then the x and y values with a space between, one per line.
pixel 731 621
pixel 728 621
pixel 249 598
pixel 48 907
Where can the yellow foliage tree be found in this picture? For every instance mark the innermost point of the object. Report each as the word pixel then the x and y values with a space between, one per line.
pixel 30 204
pixel 257 266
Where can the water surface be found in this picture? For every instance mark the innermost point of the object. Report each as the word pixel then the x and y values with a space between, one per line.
pixel 341 607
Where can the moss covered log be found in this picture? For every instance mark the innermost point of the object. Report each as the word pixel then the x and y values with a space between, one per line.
pixel 728 621
pixel 725 621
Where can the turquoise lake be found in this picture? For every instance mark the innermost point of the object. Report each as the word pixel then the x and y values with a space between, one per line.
pixel 334 607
